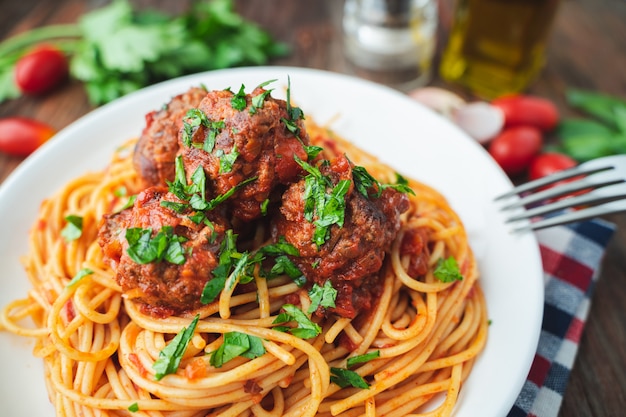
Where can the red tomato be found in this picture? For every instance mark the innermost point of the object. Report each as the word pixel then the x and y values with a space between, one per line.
pixel 515 147
pixel 549 163
pixel 20 136
pixel 40 70
pixel 528 110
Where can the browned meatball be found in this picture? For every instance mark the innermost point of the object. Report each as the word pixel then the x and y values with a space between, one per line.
pixel 158 145
pixel 239 142
pixel 163 287
pixel 353 254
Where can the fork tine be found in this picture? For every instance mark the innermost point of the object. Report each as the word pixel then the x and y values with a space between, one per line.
pixel 599 179
pixel 581 169
pixel 609 193
pixel 575 216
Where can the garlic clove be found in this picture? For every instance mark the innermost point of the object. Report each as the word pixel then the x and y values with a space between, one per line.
pixel 440 100
pixel 480 120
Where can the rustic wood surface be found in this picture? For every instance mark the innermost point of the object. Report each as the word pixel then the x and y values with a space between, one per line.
pixel 587 49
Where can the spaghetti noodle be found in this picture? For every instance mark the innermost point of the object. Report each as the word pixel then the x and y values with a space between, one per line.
pixel 99 349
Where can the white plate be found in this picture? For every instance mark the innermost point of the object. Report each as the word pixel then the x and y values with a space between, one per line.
pixel 414 140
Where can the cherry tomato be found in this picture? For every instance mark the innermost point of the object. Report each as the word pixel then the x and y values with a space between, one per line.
pixel 20 136
pixel 528 110
pixel 40 70
pixel 548 163
pixel 515 147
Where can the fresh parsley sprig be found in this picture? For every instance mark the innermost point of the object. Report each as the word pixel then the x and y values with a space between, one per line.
pixel 322 208
pixel 322 296
pixel 305 328
pixel 115 50
pixel 73 228
pixel 447 270
pixel 367 185
pixel 171 355
pixel 143 248
pixel 237 344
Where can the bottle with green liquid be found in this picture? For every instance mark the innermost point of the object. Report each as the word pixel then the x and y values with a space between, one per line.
pixel 497 47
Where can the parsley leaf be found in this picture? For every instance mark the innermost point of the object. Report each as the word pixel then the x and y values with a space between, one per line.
pixel 238 101
pixel 73 229
pixel 305 329
pixel 345 378
pixel 354 360
pixel 169 358
pixel 329 208
pixel 228 251
pixel 133 408
pixel 447 270
pixel 322 296
pixel 227 160
pixel 237 344
pixel 364 181
pixel 165 245
pixel 79 276
pixel 115 50
pixel 258 100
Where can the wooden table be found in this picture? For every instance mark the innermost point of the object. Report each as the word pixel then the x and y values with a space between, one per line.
pixel 587 50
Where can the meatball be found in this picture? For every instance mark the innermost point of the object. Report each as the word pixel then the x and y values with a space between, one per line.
pixel 245 136
pixel 163 287
pixel 353 254
pixel 157 146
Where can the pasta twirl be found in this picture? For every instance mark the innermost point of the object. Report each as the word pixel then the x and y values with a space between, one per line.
pixel 99 348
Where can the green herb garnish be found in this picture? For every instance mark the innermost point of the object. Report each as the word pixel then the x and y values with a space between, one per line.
pixel 447 270
pixel 322 296
pixel 238 101
pixel 305 329
pixel 237 344
pixel 115 50
pixel 79 276
pixel 346 378
pixel 73 229
pixel 143 248
pixel 171 355
pixel 355 360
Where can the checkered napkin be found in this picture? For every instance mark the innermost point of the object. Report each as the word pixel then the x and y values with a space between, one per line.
pixel 571 257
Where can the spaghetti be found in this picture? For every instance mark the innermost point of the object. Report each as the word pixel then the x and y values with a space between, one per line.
pixel 99 349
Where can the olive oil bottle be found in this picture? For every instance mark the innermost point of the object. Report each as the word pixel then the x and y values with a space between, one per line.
pixel 497 47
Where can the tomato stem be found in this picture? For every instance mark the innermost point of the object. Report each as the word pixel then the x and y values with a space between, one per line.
pixel 33 36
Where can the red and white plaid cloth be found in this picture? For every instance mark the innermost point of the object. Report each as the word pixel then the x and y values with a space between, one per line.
pixel 571 256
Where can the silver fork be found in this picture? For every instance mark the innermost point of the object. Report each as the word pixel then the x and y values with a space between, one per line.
pixel 603 181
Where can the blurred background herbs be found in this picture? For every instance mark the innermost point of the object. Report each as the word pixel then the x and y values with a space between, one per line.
pixel 115 50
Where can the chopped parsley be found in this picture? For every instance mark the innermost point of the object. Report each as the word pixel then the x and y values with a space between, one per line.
pixel 355 360
pixel 346 378
pixel 237 344
pixel 447 270
pixel 305 329
pixel 293 113
pixel 133 408
pixel 233 265
pixel 194 194
pixel 143 248
pixel 321 208
pixel 364 182
pixel 79 276
pixel 322 296
pixel 238 101
pixel 227 160
pixel 129 203
pixel 228 252
pixel 73 229
pixel 169 358
pixel 258 100
pixel 195 118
